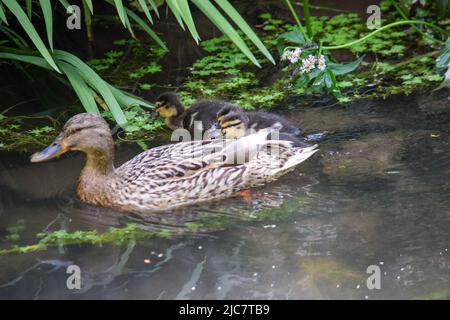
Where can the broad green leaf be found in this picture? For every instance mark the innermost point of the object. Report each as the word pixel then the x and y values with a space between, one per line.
pixel 26 24
pixel 95 82
pixel 220 22
pixel 144 7
pixel 294 36
pixel 339 69
pixel 240 22
pixel 80 87
pixel 48 19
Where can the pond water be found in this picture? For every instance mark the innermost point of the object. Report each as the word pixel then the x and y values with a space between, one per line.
pixel 377 193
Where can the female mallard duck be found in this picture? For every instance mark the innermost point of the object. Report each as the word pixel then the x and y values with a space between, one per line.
pixel 200 117
pixel 236 124
pixel 257 120
pixel 171 175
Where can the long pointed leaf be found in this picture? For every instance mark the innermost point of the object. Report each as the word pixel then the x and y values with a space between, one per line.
pixel 173 5
pixel 237 18
pixel 15 37
pixel 154 7
pixel 95 82
pixel 26 24
pixel 48 19
pixel 144 7
pixel 29 8
pixel 2 15
pixel 90 6
pixel 146 28
pixel 187 17
pixel 121 11
pixel 216 17
pixel 80 87
pixel 65 4
pixel 38 61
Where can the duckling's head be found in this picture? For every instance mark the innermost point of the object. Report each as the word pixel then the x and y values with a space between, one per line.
pixel 229 108
pixel 168 105
pixel 86 132
pixel 234 125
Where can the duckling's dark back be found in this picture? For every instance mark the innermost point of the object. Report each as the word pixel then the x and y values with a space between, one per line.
pixel 259 120
pixel 204 111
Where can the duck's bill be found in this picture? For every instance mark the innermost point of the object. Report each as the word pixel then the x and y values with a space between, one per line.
pixel 52 151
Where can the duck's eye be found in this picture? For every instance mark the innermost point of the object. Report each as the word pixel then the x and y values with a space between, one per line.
pixel 76 130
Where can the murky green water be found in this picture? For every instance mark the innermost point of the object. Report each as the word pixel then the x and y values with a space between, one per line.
pixel 377 193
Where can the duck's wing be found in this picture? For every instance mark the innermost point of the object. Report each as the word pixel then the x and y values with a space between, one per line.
pixel 171 161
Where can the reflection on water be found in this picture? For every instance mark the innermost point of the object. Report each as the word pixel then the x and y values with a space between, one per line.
pixel 377 193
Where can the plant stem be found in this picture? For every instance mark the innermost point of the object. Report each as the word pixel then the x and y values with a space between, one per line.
pixel 394 24
pixel 307 18
pixel 404 16
pixel 297 20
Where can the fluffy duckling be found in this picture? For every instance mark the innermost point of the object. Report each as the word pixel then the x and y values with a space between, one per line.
pixel 199 117
pixel 171 175
pixel 258 120
pixel 237 124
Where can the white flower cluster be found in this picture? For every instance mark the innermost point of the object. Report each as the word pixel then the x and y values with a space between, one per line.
pixel 292 55
pixel 310 62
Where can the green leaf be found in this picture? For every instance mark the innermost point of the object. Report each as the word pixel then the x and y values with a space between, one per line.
pixel 26 24
pixel 339 69
pixel 95 82
pixel 15 37
pixel 2 15
pixel 154 7
pixel 173 5
pixel 240 22
pixel 146 28
pixel 38 61
pixel 220 22
pixel 90 5
pixel 29 8
pixel 65 3
pixel 121 11
pixel 48 19
pixel 80 87
pixel 187 17
pixel 144 7
pixel 294 36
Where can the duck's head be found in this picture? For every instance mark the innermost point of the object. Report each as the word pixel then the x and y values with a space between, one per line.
pixel 233 125
pixel 168 105
pixel 86 132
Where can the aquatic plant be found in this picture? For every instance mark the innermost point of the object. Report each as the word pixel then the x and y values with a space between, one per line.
pixel 90 88
pixel 310 65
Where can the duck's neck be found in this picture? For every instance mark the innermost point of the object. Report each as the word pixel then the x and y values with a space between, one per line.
pixel 174 122
pixel 97 177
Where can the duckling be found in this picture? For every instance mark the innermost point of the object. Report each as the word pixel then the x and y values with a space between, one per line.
pixel 236 124
pixel 200 117
pixel 172 175
pixel 258 120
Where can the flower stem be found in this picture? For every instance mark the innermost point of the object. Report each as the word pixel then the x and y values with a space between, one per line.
pixel 297 20
pixel 394 24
